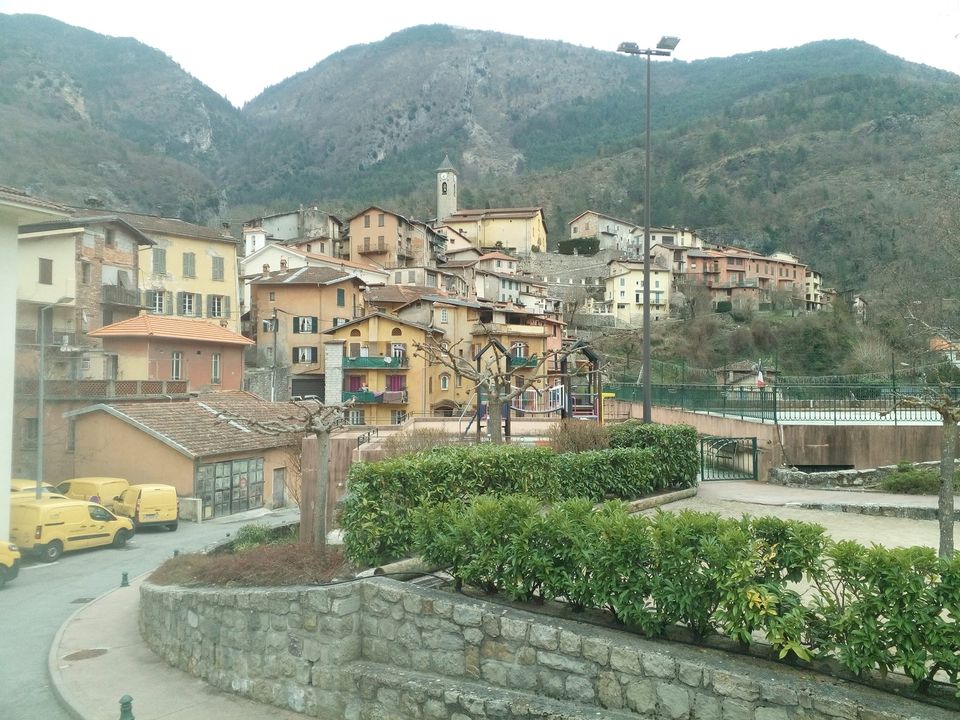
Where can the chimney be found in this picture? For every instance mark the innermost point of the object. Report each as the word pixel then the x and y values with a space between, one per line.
pixel 266 269
pixel 283 263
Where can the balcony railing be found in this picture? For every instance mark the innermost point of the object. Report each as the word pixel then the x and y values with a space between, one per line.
pixel 362 397
pixel 115 295
pixel 102 389
pixel 521 362
pixel 371 247
pixel 376 362
pixel 395 397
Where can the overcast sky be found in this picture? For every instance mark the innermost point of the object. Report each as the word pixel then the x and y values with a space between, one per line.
pixel 242 47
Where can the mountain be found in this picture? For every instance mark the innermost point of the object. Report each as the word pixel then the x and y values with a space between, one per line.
pixel 834 150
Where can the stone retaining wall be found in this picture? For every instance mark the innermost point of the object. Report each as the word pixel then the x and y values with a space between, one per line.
pixel 840 479
pixel 377 648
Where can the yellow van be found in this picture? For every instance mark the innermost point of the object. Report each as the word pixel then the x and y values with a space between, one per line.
pixel 101 490
pixel 9 562
pixel 148 505
pixel 23 485
pixel 48 528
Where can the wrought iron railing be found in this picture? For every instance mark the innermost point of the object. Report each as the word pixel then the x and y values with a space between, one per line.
pixel 793 403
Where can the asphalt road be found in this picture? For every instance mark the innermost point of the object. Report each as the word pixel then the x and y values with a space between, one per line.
pixel 36 604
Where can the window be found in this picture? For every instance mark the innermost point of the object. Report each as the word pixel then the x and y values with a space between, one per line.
pixel 189 304
pixel 398 277
pixel 218 306
pixel 443 189
pixel 46 271
pixel 190 265
pixel 110 237
pixel 176 365
pixel 341 297
pixel 398 417
pixel 29 437
pixel 159 261
pixel 273 296
pixel 304 355
pixel 306 324
pixel 444 315
pixel 154 301
pixel 459 380
pixel 499 263
pixel 519 350
pixel 445 382
pixel 366 221
pixel 355 417
pixel 380 220
pixel 270 325
pixel 85 273
pixel 411 276
pixel 217 268
pixel 215 368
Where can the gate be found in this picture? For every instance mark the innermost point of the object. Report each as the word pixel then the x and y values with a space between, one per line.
pixel 723 458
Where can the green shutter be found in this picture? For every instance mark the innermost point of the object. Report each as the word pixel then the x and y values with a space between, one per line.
pixel 226 306
pixel 168 303
pixel 180 303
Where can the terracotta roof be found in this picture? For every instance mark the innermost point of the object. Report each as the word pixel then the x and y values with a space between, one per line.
pixel 309 275
pixel 211 424
pixel 497 256
pixel 490 213
pixel 170 226
pixel 162 326
pixel 459 263
pixel 20 197
pixel 394 318
pixel 399 293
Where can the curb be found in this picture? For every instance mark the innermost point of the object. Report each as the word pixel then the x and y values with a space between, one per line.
pixel 60 691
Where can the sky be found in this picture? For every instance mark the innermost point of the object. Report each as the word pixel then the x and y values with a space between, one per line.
pixel 240 48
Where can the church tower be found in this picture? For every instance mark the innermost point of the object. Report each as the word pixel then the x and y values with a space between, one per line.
pixel 446 190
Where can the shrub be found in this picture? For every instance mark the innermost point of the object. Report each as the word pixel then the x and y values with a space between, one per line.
pixel 257 534
pixel 376 514
pixel 909 480
pixel 578 435
pixel 871 609
pixel 415 440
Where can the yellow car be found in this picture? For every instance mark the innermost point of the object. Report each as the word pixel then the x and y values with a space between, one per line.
pixel 9 562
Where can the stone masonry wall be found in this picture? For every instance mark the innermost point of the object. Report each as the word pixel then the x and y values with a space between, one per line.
pixel 378 648
pixel 867 479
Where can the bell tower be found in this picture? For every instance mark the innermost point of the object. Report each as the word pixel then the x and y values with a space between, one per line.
pixel 446 190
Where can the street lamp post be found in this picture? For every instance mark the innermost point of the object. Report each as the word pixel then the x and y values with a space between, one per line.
pixel 41 389
pixel 666 46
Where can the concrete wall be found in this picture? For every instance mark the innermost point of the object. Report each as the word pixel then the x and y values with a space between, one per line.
pixel 378 648
pixel 860 446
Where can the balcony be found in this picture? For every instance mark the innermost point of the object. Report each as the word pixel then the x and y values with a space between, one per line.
pixel 371 247
pixel 524 362
pixel 116 295
pixel 103 389
pixel 509 329
pixel 376 362
pixel 395 397
pixel 362 397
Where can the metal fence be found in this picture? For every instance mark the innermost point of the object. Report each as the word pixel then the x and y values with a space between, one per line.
pixel 725 458
pixel 792 403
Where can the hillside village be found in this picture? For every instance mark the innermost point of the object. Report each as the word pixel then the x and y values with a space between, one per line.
pixel 162 343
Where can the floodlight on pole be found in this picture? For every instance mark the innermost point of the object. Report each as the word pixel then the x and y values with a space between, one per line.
pixel 667 45
pixel 41 388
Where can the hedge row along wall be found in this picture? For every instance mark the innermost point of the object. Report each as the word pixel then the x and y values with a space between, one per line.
pixel 871 609
pixel 376 515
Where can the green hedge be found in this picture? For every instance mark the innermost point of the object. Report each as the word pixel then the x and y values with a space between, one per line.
pixel 376 514
pixel 871 609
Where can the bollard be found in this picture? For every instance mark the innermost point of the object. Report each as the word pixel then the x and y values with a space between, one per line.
pixel 124 582
pixel 126 708
pixel 176 553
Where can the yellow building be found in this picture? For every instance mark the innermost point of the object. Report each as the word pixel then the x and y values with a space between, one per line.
pixel 190 271
pixel 520 231
pixel 373 362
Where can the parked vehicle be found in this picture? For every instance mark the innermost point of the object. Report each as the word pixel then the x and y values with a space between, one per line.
pixel 148 505
pixel 101 490
pixel 9 562
pixel 23 485
pixel 48 528
pixel 31 496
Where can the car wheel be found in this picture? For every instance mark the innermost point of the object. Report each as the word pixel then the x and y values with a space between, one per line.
pixel 173 526
pixel 52 552
pixel 120 539
pixel 3 576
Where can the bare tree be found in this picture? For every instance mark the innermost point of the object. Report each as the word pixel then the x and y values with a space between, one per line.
pixel 307 418
pixel 491 374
